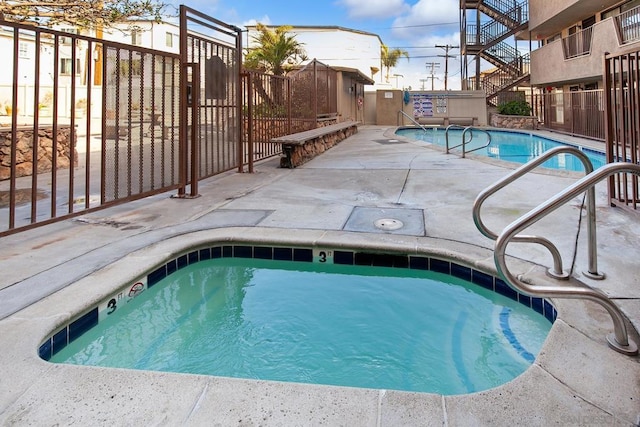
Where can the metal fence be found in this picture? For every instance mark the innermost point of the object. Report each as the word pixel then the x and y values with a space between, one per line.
pixel 88 123
pixel 314 96
pixel 212 108
pixel 579 113
pixel 622 83
pixel 266 114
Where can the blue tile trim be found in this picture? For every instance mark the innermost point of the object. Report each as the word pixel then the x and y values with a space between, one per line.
pixel 302 255
pixel 343 257
pixel 70 332
pixel 503 289
pixel 362 258
pixel 182 262
pixel 216 252
pixel 83 324
pixel 59 340
pixel 461 272
pixel 419 262
pixel 45 350
pixel 482 279
pixel 172 267
pixel 263 252
pixel 440 266
pixel 283 254
pixel 205 254
pixel 400 261
pixel 156 275
pixel 243 252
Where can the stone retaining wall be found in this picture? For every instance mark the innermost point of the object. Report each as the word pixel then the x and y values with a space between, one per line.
pixel 514 122
pixel 298 154
pixel 25 153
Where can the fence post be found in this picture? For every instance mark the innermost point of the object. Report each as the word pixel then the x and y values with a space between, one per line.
pixel 195 129
pixel 249 91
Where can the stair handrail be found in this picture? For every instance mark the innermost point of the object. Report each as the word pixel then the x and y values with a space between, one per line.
pixel 464 142
pixel 557 270
pixel 411 119
pixel 619 339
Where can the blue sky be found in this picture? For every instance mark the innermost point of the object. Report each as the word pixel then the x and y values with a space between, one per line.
pixel 413 25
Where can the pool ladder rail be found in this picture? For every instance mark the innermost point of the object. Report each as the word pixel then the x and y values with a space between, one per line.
pixel 619 339
pixel 411 119
pixel 464 142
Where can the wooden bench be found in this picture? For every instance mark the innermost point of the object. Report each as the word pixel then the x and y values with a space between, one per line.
pixel 299 148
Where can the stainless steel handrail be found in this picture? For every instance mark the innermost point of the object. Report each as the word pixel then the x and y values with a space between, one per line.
pixel 464 142
pixel 410 118
pixel 556 271
pixel 446 136
pixel 619 339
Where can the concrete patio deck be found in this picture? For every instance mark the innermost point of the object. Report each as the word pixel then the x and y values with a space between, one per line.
pixel 51 273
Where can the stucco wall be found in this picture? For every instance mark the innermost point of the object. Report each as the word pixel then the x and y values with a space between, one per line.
pixel 442 105
pixel 388 103
pixel 548 65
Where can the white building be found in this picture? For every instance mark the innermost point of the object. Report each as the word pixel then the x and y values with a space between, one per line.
pixel 337 47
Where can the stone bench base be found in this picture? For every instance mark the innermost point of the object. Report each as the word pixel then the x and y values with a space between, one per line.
pixel 299 148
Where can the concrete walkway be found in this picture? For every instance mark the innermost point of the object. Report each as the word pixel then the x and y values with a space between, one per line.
pixel 52 273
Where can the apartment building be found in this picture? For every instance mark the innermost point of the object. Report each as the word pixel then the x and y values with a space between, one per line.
pixel 573 37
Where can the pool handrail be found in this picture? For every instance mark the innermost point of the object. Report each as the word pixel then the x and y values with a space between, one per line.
pixel 464 142
pixel 556 271
pixel 619 339
pixel 410 118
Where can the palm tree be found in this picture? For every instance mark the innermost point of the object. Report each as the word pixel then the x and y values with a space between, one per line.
pixel 274 49
pixel 390 58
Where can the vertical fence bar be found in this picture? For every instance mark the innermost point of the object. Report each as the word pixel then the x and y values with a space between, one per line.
pixel 54 137
pixel 36 137
pixel 72 127
pixel 195 128
pixel 14 133
pixel 88 114
pixel 250 111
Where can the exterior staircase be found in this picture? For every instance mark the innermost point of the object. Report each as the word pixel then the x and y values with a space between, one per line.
pixel 487 41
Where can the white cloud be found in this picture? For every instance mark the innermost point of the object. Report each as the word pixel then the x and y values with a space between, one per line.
pixel 382 9
pixel 264 20
pixel 425 16
pixel 422 27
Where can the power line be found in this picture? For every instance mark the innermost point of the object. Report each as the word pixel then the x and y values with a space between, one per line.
pixel 415 26
pixel 433 65
pixel 446 60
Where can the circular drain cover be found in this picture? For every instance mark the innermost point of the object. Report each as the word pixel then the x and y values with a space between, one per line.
pixel 388 224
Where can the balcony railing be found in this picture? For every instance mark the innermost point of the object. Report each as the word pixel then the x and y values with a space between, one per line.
pixel 578 44
pixel 628 24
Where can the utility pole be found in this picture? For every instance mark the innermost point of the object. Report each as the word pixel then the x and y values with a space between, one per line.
pixel 422 81
pixel 433 65
pixel 446 57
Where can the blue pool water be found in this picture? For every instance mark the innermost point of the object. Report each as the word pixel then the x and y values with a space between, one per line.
pixel 509 146
pixel 375 327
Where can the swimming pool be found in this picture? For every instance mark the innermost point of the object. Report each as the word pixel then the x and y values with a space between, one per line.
pixel 314 316
pixel 510 146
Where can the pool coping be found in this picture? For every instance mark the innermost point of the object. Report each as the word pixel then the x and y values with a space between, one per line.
pixel 567 381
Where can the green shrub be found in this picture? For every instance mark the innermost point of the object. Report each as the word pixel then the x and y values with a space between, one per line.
pixel 515 108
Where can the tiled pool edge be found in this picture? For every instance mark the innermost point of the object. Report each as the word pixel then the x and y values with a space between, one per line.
pixel 91 317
